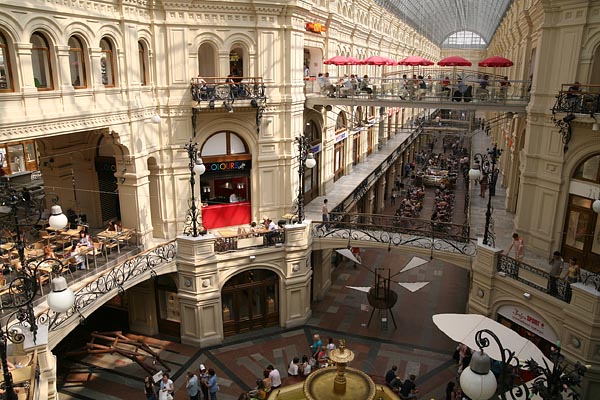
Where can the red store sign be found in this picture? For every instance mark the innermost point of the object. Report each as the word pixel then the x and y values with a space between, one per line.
pixel 529 320
pixel 315 27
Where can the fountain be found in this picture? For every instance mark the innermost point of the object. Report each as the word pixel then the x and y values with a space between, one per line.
pixel 339 382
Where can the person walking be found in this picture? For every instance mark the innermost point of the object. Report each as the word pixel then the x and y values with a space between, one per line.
pixel 519 245
pixel 325 213
pixel 316 345
pixel 483 184
pixel 191 386
pixel 556 267
pixel 166 388
pixel 149 389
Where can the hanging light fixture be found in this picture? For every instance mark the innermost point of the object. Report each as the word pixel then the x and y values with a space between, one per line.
pixel 240 185
pixel 57 220
pixel 310 160
pixel 156 119
pixel 62 297
pixel 199 167
pixel 596 206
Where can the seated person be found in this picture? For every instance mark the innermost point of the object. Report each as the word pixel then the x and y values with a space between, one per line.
pixel 272 228
pixel 446 84
pixel 48 252
pixel 84 239
pixel 79 261
pixel 305 368
pixel 364 85
pixel 293 369
pixel 409 388
pixel 112 226
pixel 259 392
pixel 391 375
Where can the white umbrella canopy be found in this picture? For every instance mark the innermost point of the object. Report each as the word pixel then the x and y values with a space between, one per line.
pixel 463 328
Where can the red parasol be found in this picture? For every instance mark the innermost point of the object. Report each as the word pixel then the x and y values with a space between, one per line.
pixel 454 61
pixel 378 60
pixel 342 60
pixel 496 61
pixel 415 61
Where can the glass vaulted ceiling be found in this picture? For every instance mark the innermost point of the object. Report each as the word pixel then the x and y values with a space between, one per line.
pixel 438 19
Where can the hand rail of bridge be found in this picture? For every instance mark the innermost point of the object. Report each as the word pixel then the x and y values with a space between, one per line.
pixel 113 278
pixel 436 90
pixel 578 99
pixel 398 231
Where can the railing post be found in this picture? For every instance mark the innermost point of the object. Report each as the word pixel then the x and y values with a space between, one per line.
pixel 483 270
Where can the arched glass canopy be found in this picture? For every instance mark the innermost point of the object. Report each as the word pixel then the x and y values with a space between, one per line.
pixel 439 19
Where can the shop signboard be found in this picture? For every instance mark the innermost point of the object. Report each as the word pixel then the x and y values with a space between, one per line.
pixel 529 320
pixel 228 166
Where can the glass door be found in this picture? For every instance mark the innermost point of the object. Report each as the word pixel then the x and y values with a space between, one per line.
pixel 582 233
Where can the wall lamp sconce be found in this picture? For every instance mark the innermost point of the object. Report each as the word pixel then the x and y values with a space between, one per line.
pixel 527 295
pixel 228 106
pixel 252 258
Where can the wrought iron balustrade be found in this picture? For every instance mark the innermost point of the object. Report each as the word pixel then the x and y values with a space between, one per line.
pixel 398 231
pixel 114 278
pixel 246 240
pixel 578 99
pixel 227 88
pixel 511 268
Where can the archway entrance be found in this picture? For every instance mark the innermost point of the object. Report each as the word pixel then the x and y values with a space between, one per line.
pixel 250 301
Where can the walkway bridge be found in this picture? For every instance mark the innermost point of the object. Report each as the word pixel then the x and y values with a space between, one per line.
pixel 444 241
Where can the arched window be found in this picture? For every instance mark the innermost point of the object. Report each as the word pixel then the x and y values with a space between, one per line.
pixel 143 59
pixel 40 60
pixel 77 63
pixel 207 62
pixel 464 39
pixel 340 122
pixel 236 61
pixel 6 84
pixel 107 63
pixel 224 143
pixel 582 224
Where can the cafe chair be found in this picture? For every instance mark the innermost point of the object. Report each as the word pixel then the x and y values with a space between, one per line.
pixel 43 278
pixel 111 244
pixel 47 236
pixel 125 237
pixel 70 266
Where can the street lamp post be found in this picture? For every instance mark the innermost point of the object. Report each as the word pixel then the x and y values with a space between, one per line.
pixel 305 158
pixel 193 219
pixel 486 164
pixel 17 211
pixel 479 383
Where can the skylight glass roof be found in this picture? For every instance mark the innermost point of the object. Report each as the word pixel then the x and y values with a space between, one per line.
pixel 438 19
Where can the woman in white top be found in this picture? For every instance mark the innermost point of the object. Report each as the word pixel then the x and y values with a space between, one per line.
pixel 293 368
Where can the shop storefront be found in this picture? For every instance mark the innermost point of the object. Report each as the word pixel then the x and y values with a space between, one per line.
pixel 528 324
pixel 225 186
pixel 19 164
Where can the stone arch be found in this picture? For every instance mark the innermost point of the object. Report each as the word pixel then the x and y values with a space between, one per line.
pixel 84 32
pixel 45 25
pixel 11 27
pixel 208 59
pixel 226 275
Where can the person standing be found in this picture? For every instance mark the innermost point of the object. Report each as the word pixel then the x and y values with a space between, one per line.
pixel 293 367
pixel 483 185
pixel 573 271
pixel 330 346
pixel 325 213
pixel 316 345
pixel 213 387
pixel 519 245
pixel 275 377
pixel 149 388
pixel 191 385
pixel 166 388
pixel 203 382
pixel 556 267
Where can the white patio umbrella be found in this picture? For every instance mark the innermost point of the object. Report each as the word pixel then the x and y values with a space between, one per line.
pixel 463 327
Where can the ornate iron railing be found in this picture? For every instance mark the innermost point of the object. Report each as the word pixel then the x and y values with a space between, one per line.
pixel 398 231
pixel 510 267
pixel 114 278
pixel 262 239
pixel 590 279
pixel 578 99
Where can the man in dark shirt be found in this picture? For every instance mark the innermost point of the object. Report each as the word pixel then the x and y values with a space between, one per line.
pixel 391 375
pixel 409 388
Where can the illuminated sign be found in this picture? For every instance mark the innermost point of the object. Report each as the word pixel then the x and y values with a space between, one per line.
pixel 227 166
pixel 315 27
pixel 529 320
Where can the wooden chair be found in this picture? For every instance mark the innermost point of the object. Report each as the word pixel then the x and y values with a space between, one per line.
pixel 125 237
pixel 111 244
pixel 94 252
pixel 47 236
pixel 43 278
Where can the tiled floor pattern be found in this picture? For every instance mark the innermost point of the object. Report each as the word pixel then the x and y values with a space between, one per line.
pixel 416 346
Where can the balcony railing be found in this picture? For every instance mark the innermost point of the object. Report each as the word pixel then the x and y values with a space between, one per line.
pixel 534 277
pixel 577 99
pixel 249 240
pixel 219 89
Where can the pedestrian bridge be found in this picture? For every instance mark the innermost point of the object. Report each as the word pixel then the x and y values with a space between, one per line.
pixel 444 241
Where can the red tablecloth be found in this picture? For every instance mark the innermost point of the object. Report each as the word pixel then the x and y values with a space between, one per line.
pixel 219 215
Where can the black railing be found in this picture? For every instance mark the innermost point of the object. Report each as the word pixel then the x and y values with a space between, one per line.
pixel 115 278
pixel 398 231
pixel 578 99
pixel 227 88
pixel 556 287
pixel 248 240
